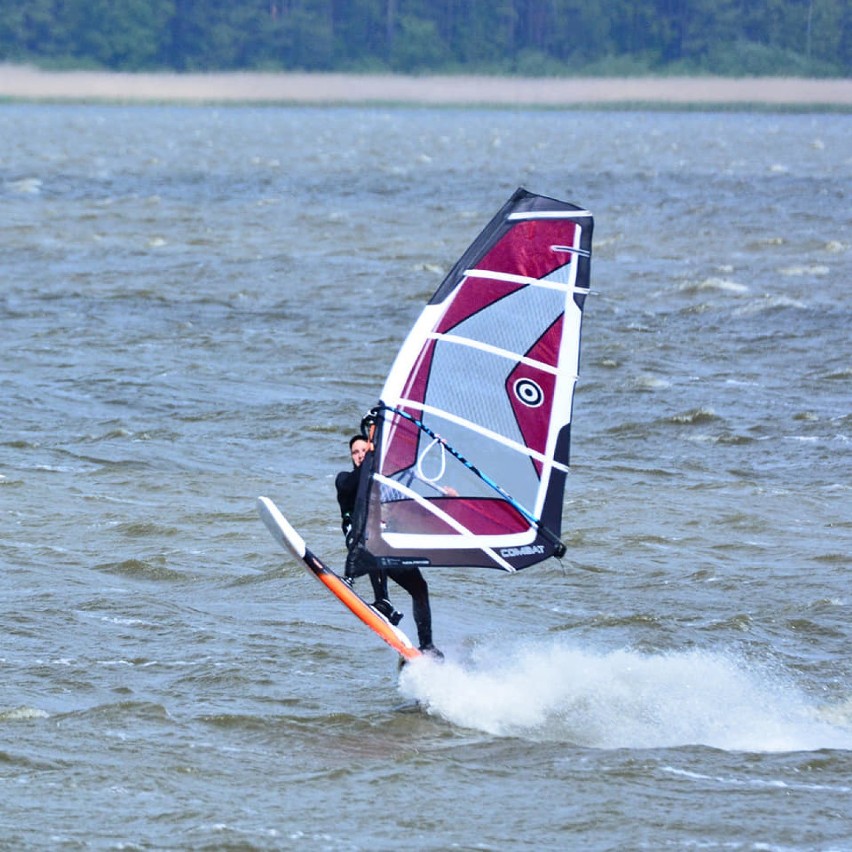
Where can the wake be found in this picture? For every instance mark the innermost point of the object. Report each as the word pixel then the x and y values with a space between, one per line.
pixel 624 699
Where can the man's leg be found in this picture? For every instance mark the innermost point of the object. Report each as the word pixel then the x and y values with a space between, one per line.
pixel 361 561
pixel 414 583
pixel 379 579
pixel 379 582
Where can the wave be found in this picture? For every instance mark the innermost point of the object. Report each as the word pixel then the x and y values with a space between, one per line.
pixel 768 304
pixel 146 529
pixel 838 375
pixel 141 569
pixel 24 186
pixel 624 699
pixel 722 285
pixel 21 714
pixel 121 710
pixel 698 415
pixel 647 382
pixel 804 271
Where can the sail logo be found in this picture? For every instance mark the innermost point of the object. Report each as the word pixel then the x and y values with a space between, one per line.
pixel 527 550
pixel 528 392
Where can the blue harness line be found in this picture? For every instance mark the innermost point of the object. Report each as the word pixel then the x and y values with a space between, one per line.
pixel 536 522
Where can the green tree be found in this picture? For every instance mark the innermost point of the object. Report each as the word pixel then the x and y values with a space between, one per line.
pixel 827 26
pixel 417 45
pixel 13 32
pixel 577 32
pixel 527 36
pixel 360 29
pixel 127 34
pixel 309 40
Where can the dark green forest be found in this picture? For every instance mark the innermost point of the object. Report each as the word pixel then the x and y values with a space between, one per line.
pixel 525 37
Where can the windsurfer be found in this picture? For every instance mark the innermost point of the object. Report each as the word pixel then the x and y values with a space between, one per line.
pixel 411 579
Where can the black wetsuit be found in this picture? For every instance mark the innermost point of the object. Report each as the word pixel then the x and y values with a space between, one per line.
pixel 409 578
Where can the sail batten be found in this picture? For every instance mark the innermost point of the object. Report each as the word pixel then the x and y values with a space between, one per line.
pixel 482 431
pixel 472 432
pixel 495 350
pixel 545 214
pixel 524 280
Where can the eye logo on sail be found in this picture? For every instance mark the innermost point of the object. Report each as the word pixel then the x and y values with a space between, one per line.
pixel 528 392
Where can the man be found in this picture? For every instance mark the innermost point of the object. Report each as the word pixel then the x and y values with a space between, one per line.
pixel 410 579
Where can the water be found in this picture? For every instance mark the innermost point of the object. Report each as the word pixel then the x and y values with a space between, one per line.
pixel 197 307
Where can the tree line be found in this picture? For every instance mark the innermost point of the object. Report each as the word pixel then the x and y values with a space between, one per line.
pixel 529 37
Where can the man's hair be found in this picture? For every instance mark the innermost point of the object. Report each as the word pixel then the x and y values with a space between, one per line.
pixel 355 438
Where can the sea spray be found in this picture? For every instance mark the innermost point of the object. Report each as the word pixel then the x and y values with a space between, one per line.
pixel 624 699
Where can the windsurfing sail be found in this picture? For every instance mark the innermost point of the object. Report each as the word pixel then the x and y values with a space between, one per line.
pixel 471 435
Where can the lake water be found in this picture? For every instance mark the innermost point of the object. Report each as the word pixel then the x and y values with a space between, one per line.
pixel 197 307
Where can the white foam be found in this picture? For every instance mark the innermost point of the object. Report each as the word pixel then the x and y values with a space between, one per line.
pixel 802 271
pixel 25 186
pixel 624 699
pixel 720 284
pixel 21 714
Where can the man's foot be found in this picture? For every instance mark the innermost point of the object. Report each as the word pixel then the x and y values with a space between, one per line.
pixel 350 581
pixel 431 651
pixel 385 607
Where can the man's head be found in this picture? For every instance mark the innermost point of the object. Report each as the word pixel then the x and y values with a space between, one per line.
pixel 357 449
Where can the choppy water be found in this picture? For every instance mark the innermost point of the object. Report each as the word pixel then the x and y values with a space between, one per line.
pixel 198 305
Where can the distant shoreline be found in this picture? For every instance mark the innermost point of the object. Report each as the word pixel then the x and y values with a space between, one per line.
pixel 26 83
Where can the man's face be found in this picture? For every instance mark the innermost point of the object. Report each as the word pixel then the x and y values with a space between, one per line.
pixel 358 451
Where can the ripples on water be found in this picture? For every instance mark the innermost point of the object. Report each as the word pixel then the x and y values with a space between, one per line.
pixel 199 304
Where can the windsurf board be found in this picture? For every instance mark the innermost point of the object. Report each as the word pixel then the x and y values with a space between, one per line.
pixel 284 533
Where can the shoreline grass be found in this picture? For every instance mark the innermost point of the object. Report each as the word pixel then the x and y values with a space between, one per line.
pixel 26 84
